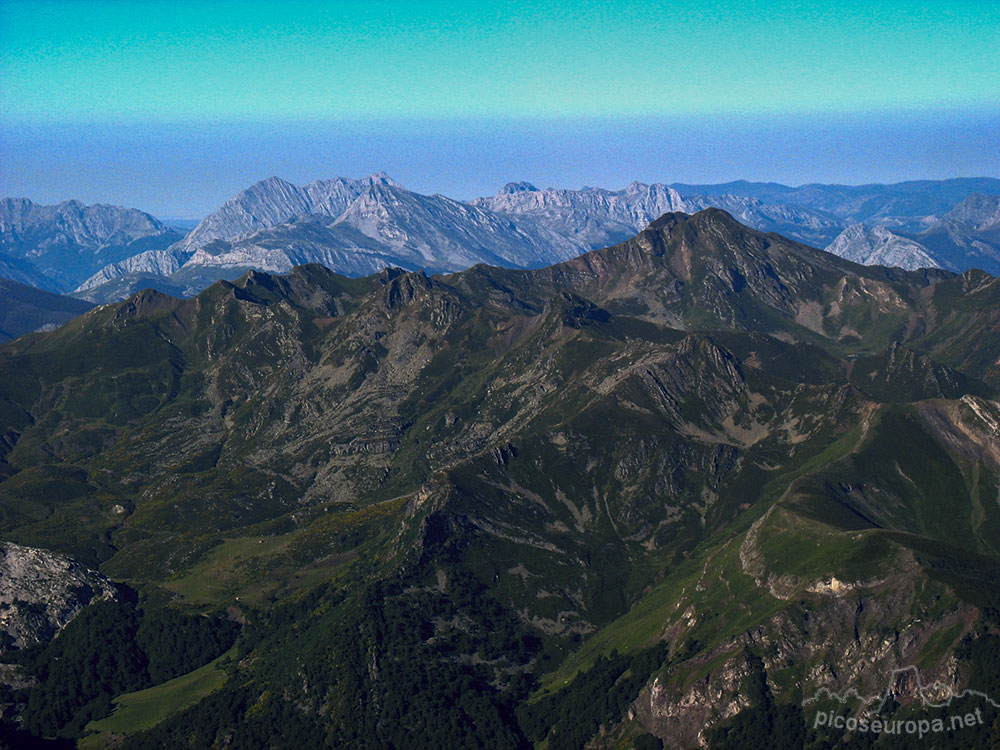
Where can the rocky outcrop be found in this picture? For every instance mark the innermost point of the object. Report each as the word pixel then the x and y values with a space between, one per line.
pixel 156 262
pixel 41 591
pixel 878 246
pixel 846 643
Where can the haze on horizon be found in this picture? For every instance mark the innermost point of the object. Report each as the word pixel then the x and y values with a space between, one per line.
pixel 174 106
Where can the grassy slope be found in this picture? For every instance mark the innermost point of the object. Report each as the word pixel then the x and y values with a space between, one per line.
pixel 643 625
pixel 145 708
pixel 805 548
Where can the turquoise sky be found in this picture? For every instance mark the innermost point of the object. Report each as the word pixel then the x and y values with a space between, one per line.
pixel 144 60
pixel 175 106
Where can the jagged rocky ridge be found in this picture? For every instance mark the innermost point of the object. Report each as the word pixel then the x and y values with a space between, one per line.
pixel 358 227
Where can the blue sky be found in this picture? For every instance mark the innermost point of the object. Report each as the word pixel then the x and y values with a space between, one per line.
pixel 359 84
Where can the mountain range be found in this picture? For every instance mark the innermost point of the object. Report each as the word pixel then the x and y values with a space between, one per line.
pixel 358 227
pixel 649 496
pixel 967 236
pixel 599 217
pixel 56 247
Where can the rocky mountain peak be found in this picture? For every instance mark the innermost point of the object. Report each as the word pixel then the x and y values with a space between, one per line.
pixel 666 222
pixel 405 288
pixel 389 273
pixel 716 220
pixel 517 187
pixel 381 178
pixel 270 183
pixel 271 189
pixel 272 202
pixel 145 303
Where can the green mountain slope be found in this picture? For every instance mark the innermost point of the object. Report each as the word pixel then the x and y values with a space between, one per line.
pixel 452 510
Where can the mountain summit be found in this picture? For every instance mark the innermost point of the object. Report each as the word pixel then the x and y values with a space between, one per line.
pixel 274 201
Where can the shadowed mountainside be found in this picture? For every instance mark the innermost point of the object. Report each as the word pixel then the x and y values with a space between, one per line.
pixel 24 309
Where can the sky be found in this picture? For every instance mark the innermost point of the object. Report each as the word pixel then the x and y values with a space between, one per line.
pixel 174 106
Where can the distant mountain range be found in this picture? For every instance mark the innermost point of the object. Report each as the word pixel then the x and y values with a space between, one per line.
pixel 263 226
pixel 598 218
pixel 357 227
pixel 967 236
pixel 57 247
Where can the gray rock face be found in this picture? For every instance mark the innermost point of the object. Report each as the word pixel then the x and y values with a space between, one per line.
pixel 878 246
pixel 967 236
pixel 155 262
pixel 313 239
pixel 597 218
pixel 444 233
pixel 68 242
pixel 274 201
pixel 591 217
pixel 796 222
pixel 979 211
pixel 41 591
pixel 359 227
